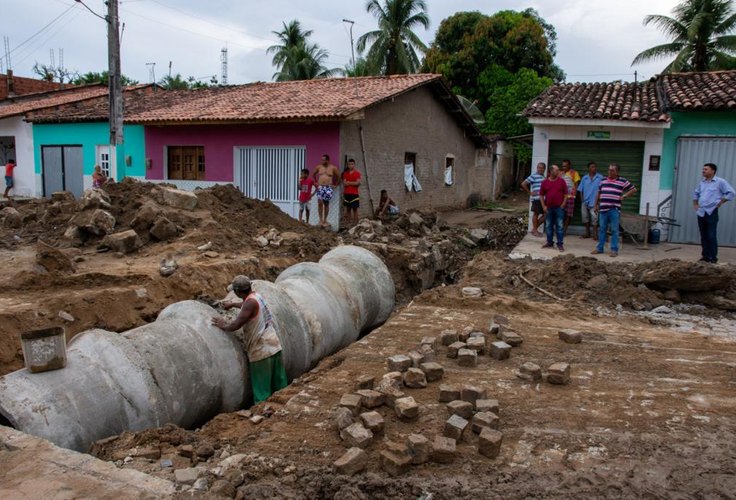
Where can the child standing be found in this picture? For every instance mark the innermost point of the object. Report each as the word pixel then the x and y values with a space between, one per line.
pixel 306 191
pixel 9 177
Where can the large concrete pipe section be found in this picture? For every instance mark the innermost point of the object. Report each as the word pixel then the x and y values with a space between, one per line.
pixel 180 369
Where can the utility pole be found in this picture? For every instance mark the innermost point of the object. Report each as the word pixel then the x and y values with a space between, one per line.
pixel 352 50
pixel 114 80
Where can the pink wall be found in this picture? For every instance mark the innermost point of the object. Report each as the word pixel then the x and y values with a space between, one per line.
pixel 219 141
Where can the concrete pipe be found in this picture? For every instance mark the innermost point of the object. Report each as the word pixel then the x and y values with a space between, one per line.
pixel 180 369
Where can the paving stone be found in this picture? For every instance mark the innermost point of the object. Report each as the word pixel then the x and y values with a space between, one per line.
pixel 465 333
pixel 448 337
pixel 529 371
pixel 430 341
pixel 484 419
pixel 399 363
pixel 478 344
pixel 356 435
pixel 397 377
pixel 454 348
pixel 455 426
pixel 365 382
pixel 494 329
pixel 511 337
pixel 467 357
pixel 461 408
pixel 444 450
pixel 487 405
pixel 558 373
pixel 186 476
pixel 419 448
pixel 417 358
pixel 373 421
pixel 414 378
pixel 351 402
pixel 471 393
pixel 500 350
pixel 433 371
pixel 401 449
pixel 570 336
pixel 343 418
pixel 449 393
pixel 489 443
pixel 371 398
pixel 406 408
pixel 353 461
pixel 501 320
pixel 391 392
pixel 186 450
pixel 428 352
pixel 393 464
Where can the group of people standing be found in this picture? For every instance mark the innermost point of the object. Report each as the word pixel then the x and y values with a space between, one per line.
pixel 553 202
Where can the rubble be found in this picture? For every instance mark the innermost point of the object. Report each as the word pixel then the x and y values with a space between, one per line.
pixel 454 348
pixel 123 242
pixel 455 426
pixel 406 408
pixel 443 450
pixel 483 405
pixel 414 378
pixel 558 373
pixel 355 435
pixel 373 421
pixel 419 448
pixel 365 382
pixel 467 357
pixel 570 336
pixel 351 462
pixel 529 372
pixel 394 464
pixel 433 371
pixel 463 409
pixel 398 363
pixel 370 398
pixel 449 393
pixel 500 350
pixel 483 420
pixel 352 402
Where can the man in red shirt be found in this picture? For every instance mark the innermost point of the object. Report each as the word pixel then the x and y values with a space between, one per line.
pixel 351 180
pixel 9 177
pixel 553 194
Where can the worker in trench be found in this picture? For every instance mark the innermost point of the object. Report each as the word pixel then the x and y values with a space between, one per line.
pixel 267 374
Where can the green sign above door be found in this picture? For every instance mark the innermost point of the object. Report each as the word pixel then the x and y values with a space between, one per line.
pixel 599 134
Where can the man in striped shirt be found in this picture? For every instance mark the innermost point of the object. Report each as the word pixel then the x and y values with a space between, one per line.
pixel 531 185
pixel 612 192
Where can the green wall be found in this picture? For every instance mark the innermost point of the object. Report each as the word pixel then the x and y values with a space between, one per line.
pixel 691 123
pixel 89 136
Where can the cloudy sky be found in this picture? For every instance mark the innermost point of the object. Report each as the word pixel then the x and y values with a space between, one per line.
pixel 596 40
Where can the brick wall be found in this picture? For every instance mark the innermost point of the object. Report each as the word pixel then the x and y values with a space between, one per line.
pixel 414 122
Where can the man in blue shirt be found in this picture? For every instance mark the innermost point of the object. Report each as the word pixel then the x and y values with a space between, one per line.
pixel 711 193
pixel 588 189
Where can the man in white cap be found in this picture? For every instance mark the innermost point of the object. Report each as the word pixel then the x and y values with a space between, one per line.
pixel 267 374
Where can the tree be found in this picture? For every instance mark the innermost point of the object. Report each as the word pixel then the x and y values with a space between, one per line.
pixel 700 33
pixel 92 77
pixel 51 73
pixel 175 82
pixel 361 68
pixel 295 57
pixel 393 46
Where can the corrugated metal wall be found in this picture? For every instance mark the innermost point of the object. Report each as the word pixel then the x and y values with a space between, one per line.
pixel 692 154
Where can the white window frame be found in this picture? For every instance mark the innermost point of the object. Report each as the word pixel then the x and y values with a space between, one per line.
pixel 106 161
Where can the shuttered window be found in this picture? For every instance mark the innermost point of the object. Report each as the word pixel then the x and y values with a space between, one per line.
pixel 186 163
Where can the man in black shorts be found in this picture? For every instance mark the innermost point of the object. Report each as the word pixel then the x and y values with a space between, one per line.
pixel 531 185
pixel 351 181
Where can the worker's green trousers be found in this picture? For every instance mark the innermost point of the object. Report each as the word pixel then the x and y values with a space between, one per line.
pixel 267 376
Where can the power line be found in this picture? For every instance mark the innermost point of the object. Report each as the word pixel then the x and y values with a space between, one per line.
pixel 28 51
pixel 39 31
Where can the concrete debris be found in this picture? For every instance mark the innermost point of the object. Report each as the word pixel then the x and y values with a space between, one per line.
pixel 558 374
pixel 472 292
pixel 186 450
pixel 257 419
pixel 485 419
pixel 414 378
pixel 443 450
pixel 93 198
pixel 570 336
pixel 398 363
pixel 395 377
pixel 461 408
pixel 467 357
pixel 479 236
pixel 53 260
pixel 500 350
pixel 163 229
pixel 449 393
pixel 494 329
pixel 455 426
pixel 96 222
pixel 11 217
pixel 124 242
pixel 373 421
pixel 178 198
pixel 530 372
pixel 205 450
pixel 430 341
pixel 355 435
pixel 433 371
pixel 406 408
pixel 419 448
pixel 465 333
pixel 353 461
pixel 205 247
pixel 352 402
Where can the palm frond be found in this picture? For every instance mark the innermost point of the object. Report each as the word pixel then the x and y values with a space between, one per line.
pixel 671 27
pixel 726 43
pixel 658 52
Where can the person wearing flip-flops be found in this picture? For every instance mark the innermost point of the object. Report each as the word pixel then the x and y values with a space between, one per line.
pixel 614 189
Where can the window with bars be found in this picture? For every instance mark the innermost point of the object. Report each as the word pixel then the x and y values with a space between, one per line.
pixel 186 163
pixel 103 160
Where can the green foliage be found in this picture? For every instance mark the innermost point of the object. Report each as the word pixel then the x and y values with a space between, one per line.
pixel 175 82
pixel 700 37
pixel 92 77
pixel 361 68
pixel 297 59
pixel 394 46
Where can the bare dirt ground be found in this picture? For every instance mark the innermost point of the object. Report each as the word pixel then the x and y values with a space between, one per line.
pixel 649 411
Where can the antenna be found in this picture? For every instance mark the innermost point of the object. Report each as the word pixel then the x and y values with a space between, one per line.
pixel 170 62
pixel 352 50
pixel 151 71
pixel 52 58
pixel 6 40
pixel 223 61
pixel 61 58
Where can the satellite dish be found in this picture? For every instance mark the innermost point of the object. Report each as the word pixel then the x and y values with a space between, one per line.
pixel 472 110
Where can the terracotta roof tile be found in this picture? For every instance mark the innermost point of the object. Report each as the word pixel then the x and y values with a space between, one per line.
pixel 24 104
pixel 715 90
pixel 599 101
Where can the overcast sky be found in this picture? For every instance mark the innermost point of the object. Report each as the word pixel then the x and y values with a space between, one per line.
pixel 596 39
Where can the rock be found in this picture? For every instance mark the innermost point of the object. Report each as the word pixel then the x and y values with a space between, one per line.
pixel 662 310
pixel 558 373
pixel 261 241
pixel 186 451
pixel 343 418
pixel 489 443
pixel 472 292
pixel 62 196
pixel 467 357
pixel 448 393
pixel 471 393
pixel 467 242
pixel 201 484
pixel 257 419
pixel 430 341
pixel 145 217
pixel 443 450
pixel 352 402
pixel 11 217
pixel 72 233
pixel 94 198
pixel 500 350
pixel 428 352
pixel 353 461
pixel 417 358
pixel 124 242
pixel 94 222
pixel 168 266
pixel 373 421
pixel 393 464
pixel 205 450
pixel 186 476
pixel 479 236
pixel 501 320
pixel 454 348
pixel 365 382
pixel 570 336
pixel 395 377
pixel 477 344
pixel 597 282
pixel 406 408
pixel 66 316
pixel 163 229
pixel 485 419
pixel 52 259
pixel 461 408
pixel 414 378
pixel 448 337
pixel 433 371
pixel 205 247
pixel 494 329
pixel 178 198
pixel 223 488
pixel 391 390
pixel 398 363
pixel 419 448
pixel 147 452
pixel 371 398
pixel 510 337
pixel 455 426
pixel 483 405
pixel 464 334
pixel 673 296
pixel 355 435
pixel 415 219
pixel 530 372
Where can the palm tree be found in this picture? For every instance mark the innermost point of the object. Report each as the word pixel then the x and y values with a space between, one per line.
pixel 394 46
pixel 297 59
pixel 175 82
pixel 700 37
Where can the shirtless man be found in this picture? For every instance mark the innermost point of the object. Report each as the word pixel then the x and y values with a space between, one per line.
pixel 327 177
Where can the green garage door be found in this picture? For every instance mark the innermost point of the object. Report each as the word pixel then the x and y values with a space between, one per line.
pixel 629 155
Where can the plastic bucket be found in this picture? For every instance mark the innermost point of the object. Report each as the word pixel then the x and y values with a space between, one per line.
pixel 654 235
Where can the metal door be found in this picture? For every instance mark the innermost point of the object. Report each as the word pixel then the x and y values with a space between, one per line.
pixel 63 169
pixel 271 173
pixel 73 170
pixel 692 154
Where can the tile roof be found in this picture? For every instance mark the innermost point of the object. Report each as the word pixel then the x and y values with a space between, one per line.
pixel 23 104
pixel 599 101
pixel 23 85
pixel 711 91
